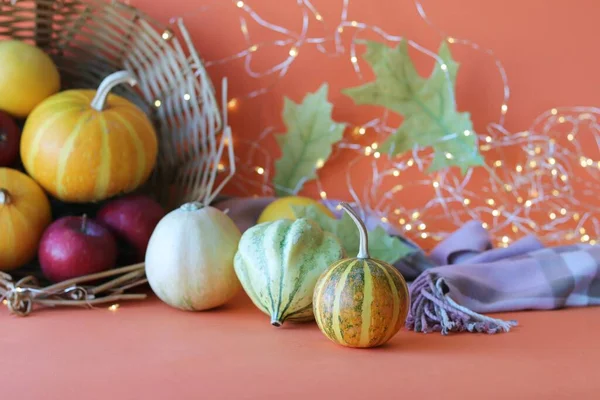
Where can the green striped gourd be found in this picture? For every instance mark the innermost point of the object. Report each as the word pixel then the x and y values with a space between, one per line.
pixel 360 302
pixel 278 264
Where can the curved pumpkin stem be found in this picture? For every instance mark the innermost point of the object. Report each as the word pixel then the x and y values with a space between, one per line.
pixel 114 79
pixel 4 197
pixel 363 249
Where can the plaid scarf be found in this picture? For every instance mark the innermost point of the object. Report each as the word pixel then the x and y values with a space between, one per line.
pixel 472 278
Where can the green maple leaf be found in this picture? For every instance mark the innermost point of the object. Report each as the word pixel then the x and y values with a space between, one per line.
pixel 427 104
pixel 381 245
pixel 310 136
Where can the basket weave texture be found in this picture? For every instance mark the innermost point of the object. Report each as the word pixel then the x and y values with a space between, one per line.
pixel 90 39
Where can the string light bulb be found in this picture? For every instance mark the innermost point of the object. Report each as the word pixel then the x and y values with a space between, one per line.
pixel 232 104
pixel 239 4
pixel 260 170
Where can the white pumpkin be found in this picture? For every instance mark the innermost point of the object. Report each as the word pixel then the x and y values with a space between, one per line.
pixel 189 260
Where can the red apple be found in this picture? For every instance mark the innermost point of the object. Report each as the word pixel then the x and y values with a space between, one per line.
pixel 132 220
pixel 76 246
pixel 10 136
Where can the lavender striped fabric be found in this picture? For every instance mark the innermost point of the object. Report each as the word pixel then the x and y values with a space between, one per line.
pixel 473 278
pixel 465 277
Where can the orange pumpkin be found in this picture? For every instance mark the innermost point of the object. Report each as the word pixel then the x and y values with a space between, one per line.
pixel 87 145
pixel 24 214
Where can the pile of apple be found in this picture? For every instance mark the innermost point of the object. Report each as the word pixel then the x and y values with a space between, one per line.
pixel 74 246
pixel 76 222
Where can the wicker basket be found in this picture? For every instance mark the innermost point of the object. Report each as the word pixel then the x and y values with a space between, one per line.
pixel 90 39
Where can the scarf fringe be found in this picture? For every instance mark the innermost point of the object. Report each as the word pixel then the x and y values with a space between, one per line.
pixel 433 310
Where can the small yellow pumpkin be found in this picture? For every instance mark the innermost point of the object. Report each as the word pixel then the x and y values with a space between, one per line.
pixel 87 145
pixel 361 301
pixel 282 208
pixel 24 215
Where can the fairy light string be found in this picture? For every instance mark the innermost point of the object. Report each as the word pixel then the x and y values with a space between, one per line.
pixel 552 181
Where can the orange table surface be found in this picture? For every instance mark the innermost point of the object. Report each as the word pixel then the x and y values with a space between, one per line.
pixel 147 350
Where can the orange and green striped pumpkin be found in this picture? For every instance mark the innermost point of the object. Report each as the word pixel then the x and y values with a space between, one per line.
pixel 360 302
pixel 89 145
pixel 24 215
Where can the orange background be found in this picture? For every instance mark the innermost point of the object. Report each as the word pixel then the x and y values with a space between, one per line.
pixel 546 47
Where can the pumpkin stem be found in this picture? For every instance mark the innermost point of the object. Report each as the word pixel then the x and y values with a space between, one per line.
pixel 363 249
pixel 193 206
pixel 84 223
pixel 114 79
pixel 4 197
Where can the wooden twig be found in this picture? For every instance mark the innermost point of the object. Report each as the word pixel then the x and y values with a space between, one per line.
pixel 107 299
pixel 21 296
pixel 116 282
pixel 94 277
